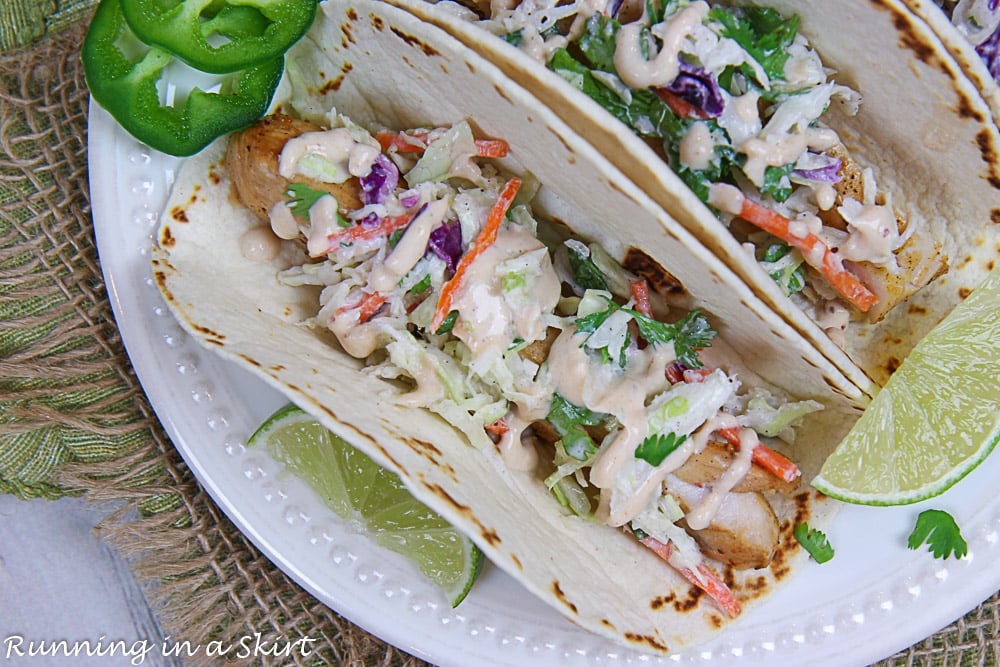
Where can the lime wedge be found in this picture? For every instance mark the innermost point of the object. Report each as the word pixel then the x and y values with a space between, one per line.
pixel 936 419
pixel 371 499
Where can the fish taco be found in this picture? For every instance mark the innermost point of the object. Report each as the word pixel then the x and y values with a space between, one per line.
pixel 433 264
pixel 851 181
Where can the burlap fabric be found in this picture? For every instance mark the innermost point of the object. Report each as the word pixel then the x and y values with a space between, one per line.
pixel 74 420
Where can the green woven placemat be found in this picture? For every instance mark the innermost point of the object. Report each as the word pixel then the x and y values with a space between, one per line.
pixel 74 420
pixel 23 22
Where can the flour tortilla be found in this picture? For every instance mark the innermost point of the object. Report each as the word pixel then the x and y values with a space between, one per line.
pixel 923 128
pixel 961 50
pixel 385 68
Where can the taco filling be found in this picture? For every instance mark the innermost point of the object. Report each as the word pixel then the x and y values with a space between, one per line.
pixel 433 267
pixel 734 99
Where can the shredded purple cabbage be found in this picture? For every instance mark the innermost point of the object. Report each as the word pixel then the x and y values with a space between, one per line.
pixel 370 220
pixel 446 243
pixel 410 199
pixel 698 88
pixel 380 182
pixel 989 51
pixel 828 174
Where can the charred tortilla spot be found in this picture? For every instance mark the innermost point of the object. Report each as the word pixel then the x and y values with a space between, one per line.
pixel 608 624
pixel 916 309
pixel 378 23
pixel 167 239
pixel 415 42
pixel 501 93
pixel 646 640
pixel 348 33
pixel 716 621
pixel 892 364
pixel 989 152
pixel 431 453
pixel 277 368
pixel 560 138
pixel 333 85
pixel 212 341
pixel 690 602
pixel 995 216
pixel 810 362
pixel 646 267
pixel 250 360
pixel 756 585
pixel 562 597
pixel 205 331
pixel 966 110
pixel 964 292
pixel 909 39
pixel 161 282
pixel 488 534
pixel 661 601
pixel 179 214
pixel 393 461
pixel 617 188
pixel 352 13
pixel 470 67
pixel 803 501
pixel 517 562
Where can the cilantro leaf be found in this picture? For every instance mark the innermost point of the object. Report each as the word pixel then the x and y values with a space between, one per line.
pixel 302 198
pixel 585 271
pixel 776 182
pixel 646 114
pixel 588 324
pixel 787 271
pixel 598 43
pixel 422 286
pixel 513 37
pixel 655 448
pixel 763 33
pixel 688 334
pixel 449 323
pixel 814 541
pixel 942 535
pixel 568 421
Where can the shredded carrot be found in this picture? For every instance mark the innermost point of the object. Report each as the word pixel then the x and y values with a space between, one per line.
pixel 367 307
pixel 775 463
pixel 487 236
pixel 404 143
pixel 675 372
pixel 499 427
pixel 830 266
pixel 492 148
pixel 696 375
pixel 361 233
pixel 681 107
pixel 706 579
pixel 640 294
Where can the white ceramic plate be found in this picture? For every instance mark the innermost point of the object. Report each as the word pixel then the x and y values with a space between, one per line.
pixel 875 598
